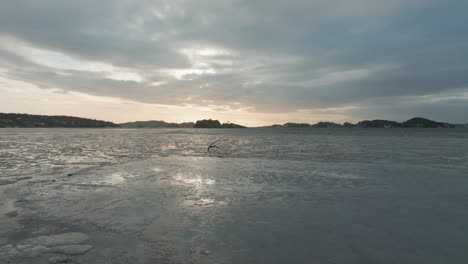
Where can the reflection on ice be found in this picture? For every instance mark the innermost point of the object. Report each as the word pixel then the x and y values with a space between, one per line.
pixel 202 189
pixel 209 181
pixel 202 202
pixel 156 169
pixel 197 180
pixel 271 198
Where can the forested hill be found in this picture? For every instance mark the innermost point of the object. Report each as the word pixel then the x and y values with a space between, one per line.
pixel 416 122
pixel 25 120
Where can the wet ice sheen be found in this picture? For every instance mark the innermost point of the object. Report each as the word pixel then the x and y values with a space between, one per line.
pixel 266 196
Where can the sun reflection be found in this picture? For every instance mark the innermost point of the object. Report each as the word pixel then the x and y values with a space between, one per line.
pixel 202 202
pixel 157 169
pixel 196 180
pixel 200 186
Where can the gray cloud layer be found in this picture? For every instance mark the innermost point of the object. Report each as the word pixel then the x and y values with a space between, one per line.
pixel 267 56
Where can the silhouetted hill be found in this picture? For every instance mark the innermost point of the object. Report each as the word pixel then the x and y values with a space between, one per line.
pixel 156 124
pixel 416 122
pixel 209 123
pixel 423 122
pixel 346 124
pixel 292 125
pixel 326 125
pixel 26 120
pixel 378 123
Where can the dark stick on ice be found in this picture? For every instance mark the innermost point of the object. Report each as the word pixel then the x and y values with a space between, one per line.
pixel 212 145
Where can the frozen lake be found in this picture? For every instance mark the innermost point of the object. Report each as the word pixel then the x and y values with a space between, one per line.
pixel 265 196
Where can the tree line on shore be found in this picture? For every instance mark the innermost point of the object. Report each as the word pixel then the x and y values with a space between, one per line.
pixel 27 120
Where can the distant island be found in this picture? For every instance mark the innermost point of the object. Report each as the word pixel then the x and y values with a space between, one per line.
pixel 25 120
pixel 12 120
pixel 208 123
pixel 417 122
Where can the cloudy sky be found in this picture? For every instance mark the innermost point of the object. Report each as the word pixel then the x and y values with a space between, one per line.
pixel 251 62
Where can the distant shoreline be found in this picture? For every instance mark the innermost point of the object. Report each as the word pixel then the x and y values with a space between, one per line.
pixel 246 128
pixel 14 120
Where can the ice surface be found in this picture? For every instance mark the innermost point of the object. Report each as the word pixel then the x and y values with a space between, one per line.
pixel 58 239
pixel 288 196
